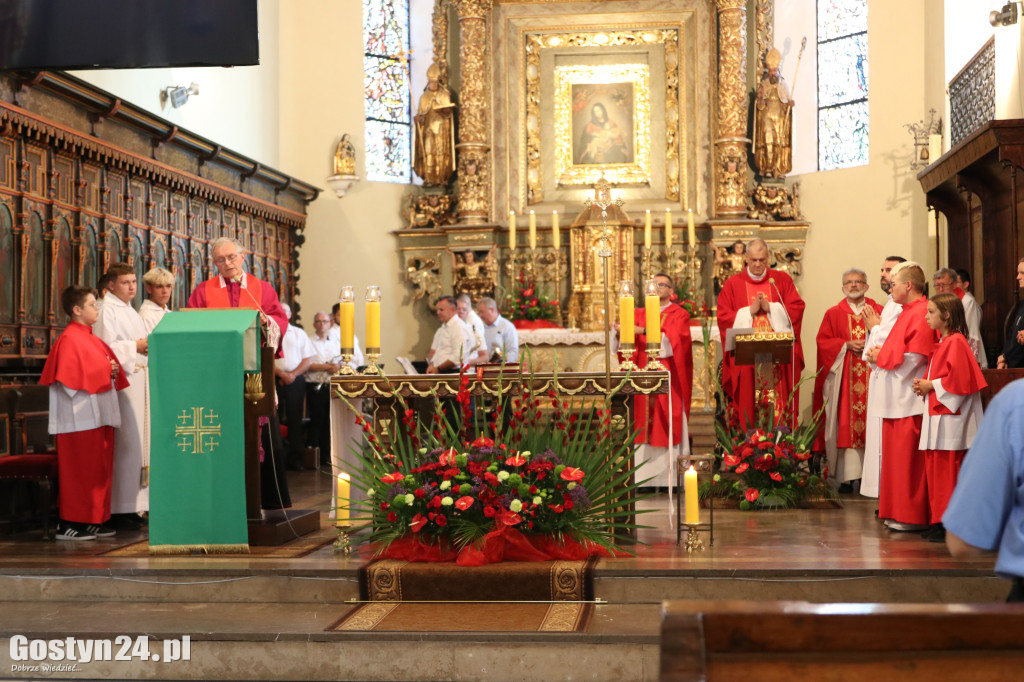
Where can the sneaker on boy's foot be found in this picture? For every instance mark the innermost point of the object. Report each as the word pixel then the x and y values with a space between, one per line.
pixel 73 532
pixel 100 531
pixel 124 522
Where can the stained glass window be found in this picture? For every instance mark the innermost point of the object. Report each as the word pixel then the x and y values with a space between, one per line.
pixel 386 90
pixel 842 83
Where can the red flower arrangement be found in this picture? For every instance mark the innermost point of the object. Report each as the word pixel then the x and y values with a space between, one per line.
pixel 525 302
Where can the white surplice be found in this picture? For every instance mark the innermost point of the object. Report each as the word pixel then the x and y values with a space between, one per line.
pixel 151 314
pixel 873 427
pixel 120 326
pixel 972 312
pixel 845 465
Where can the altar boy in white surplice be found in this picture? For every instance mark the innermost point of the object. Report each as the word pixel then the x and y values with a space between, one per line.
pixel 124 330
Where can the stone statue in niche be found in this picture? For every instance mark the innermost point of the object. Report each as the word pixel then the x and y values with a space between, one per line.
pixel 345 157
pixel 773 121
pixel 434 123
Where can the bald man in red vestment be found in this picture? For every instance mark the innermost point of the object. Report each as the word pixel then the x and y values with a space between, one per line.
pixel 842 382
pixel 766 300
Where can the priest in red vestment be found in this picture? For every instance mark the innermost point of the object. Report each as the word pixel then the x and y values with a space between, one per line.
pixel 765 300
pixel 842 381
pixel 652 418
pixel 235 288
pixel 903 491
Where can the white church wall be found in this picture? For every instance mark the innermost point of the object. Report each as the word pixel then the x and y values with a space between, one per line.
pixel 236 107
pixel 348 240
pixel 861 215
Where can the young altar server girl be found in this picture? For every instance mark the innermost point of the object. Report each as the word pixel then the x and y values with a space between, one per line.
pixel 951 389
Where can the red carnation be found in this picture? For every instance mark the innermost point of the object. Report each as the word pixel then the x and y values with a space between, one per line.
pixel 489 511
pixel 751 494
pixel 419 493
pixel 392 517
pixel 441 520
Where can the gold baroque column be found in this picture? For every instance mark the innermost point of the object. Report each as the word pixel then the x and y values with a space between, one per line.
pixel 474 164
pixel 731 141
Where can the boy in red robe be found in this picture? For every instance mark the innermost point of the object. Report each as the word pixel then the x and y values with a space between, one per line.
pixel 903 495
pixel 951 388
pixel 652 418
pixel 843 379
pixel 84 376
pixel 766 300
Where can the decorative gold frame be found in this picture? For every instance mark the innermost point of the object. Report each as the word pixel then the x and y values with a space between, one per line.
pixel 531 184
pixel 569 173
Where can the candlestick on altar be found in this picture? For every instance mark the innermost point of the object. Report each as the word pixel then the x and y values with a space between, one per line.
pixel 693 541
pixel 372 330
pixel 603 241
pixel 652 310
pixel 347 314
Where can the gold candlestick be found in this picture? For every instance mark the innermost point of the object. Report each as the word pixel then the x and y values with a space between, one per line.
pixel 347 356
pixel 627 364
pixel 653 364
pixel 372 355
pixel 343 543
pixel 693 541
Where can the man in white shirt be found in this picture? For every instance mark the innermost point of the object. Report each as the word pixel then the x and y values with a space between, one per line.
pixel 452 346
pixel 972 311
pixel 878 327
pixel 159 287
pixel 478 347
pixel 290 370
pixel 334 334
pixel 121 327
pixel 500 335
pixel 325 362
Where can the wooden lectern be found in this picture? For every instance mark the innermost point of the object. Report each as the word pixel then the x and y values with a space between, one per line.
pixel 764 350
pixel 268 527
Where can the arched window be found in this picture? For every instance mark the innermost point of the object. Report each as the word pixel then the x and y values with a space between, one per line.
pixel 386 92
pixel 842 83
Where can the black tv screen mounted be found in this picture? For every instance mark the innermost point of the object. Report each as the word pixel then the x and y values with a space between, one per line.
pixel 127 34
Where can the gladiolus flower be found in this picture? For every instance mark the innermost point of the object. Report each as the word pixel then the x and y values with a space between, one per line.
pixel 464 503
pixel 751 494
pixel 572 474
pixel 418 522
pixel 396 477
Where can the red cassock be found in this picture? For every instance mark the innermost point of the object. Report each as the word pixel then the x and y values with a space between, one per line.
pixel 85 459
pixel 954 363
pixel 652 423
pixel 840 325
pixel 903 493
pixel 739 292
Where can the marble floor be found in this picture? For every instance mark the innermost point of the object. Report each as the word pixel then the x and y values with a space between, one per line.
pixel 265 618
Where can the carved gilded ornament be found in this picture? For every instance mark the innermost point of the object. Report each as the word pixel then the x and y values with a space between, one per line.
pixel 474 8
pixel 731 140
pixel 440 36
pixel 764 23
pixel 473 173
pixel 535 43
pixel 567 138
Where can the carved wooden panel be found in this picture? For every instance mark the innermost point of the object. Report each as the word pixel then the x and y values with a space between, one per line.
pixel 7 274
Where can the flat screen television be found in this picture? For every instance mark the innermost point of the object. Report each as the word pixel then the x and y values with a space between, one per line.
pixel 127 34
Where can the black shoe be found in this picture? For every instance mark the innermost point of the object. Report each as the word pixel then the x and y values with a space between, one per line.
pixel 845 488
pixel 935 533
pixel 125 522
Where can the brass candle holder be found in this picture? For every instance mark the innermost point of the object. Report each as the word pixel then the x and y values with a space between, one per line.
pixel 693 541
pixel 653 364
pixel 348 355
pixel 372 356
pixel 343 544
pixel 627 364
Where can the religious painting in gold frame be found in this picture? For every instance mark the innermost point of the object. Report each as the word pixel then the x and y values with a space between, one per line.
pixel 602 124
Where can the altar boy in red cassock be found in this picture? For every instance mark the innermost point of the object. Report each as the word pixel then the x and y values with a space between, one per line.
pixel 766 300
pixel 652 417
pixel 903 492
pixel 951 388
pixel 842 381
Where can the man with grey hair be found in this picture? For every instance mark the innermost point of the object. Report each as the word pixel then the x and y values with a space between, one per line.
pixel 325 362
pixel 159 287
pixel 233 287
pixel 945 280
pixel 500 335
pixel 842 382
pixel 464 309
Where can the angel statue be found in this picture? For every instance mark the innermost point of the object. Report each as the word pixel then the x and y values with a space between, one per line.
pixel 424 277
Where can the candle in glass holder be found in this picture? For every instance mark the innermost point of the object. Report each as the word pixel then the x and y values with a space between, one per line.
pixel 373 317
pixel 556 238
pixel 512 230
pixel 668 228
pixel 533 230
pixel 691 232
pixel 690 492
pixel 627 326
pixel 652 310
pixel 347 313
pixel 647 229
pixel 341 494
